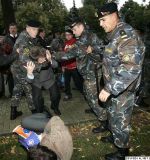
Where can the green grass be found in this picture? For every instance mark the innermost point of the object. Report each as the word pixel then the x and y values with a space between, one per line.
pixel 87 146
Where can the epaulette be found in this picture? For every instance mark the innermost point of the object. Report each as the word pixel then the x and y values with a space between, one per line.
pixel 123 34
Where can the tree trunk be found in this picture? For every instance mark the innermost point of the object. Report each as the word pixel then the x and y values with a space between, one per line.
pixel 8 13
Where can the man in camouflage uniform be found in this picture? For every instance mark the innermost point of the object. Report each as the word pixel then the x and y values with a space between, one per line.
pixel 87 65
pixel 146 92
pixel 122 66
pixel 145 89
pixel 25 41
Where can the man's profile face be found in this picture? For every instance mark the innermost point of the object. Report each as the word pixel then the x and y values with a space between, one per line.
pixel 68 36
pixel 13 29
pixel 108 23
pixel 77 30
pixel 32 31
pixel 42 34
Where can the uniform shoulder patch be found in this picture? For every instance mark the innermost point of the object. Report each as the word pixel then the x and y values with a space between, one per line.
pixel 123 34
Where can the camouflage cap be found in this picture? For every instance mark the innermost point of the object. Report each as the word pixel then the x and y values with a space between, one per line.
pixel 107 9
pixel 69 31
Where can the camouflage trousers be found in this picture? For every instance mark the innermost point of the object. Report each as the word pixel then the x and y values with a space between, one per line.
pixel 19 88
pixel 146 79
pixel 90 92
pixel 119 117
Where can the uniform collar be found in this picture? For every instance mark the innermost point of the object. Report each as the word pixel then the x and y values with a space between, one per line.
pixel 112 33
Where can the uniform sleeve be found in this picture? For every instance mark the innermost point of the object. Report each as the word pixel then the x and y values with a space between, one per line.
pixel 131 55
pixel 97 44
pixel 54 63
pixel 70 54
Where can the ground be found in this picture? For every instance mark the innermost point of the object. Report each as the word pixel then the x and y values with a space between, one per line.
pixel 87 146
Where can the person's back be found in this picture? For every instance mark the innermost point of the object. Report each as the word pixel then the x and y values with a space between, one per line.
pixel 58 138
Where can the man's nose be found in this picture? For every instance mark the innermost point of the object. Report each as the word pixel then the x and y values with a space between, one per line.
pixel 100 23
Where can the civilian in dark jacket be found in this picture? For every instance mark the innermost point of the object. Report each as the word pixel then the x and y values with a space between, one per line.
pixel 45 78
pixel 8 42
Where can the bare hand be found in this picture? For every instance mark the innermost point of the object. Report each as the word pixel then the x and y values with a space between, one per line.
pixel 103 96
pixel 17 50
pixel 48 55
pixel 30 67
pixel 89 50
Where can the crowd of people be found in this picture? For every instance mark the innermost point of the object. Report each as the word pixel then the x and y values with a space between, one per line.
pixel 107 75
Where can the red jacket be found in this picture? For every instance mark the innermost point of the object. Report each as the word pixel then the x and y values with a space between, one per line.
pixel 70 64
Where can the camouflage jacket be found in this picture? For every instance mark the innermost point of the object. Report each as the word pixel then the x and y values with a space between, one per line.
pixel 24 43
pixel 122 59
pixel 85 63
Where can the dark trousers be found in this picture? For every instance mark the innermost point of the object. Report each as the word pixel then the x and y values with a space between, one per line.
pixel 10 82
pixel 2 87
pixel 39 101
pixel 76 78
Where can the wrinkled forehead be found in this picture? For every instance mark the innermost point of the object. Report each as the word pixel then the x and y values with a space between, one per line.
pixel 106 17
pixel 75 27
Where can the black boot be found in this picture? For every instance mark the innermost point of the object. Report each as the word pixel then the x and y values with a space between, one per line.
pixel 33 111
pixel 14 113
pixel 57 111
pixel 89 111
pixel 54 107
pixel 102 128
pixel 140 102
pixel 108 139
pixel 118 155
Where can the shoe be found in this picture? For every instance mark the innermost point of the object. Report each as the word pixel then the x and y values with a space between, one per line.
pixel 14 113
pixel 66 98
pixel 108 139
pixel 33 111
pixel 102 128
pixel 118 155
pixel 57 112
pixel 47 113
pixel 88 111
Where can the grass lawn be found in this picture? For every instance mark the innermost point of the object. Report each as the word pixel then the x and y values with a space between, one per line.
pixel 87 146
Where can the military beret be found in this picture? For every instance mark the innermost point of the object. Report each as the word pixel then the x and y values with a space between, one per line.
pixel 107 9
pixel 33 23
pixel 74 21
pixel 69 31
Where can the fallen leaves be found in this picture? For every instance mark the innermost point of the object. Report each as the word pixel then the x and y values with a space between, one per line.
pixel 13 149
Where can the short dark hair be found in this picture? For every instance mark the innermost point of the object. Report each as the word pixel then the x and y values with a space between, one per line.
pixel 41 30
pixel 41 153
pixel 13 24
pixel 37 52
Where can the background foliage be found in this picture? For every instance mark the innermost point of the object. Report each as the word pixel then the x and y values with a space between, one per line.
pixel 53 14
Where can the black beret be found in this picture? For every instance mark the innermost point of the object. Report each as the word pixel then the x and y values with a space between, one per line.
pixel 74 21
pixel 33 23
pixel 69 31
pixel 107 9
